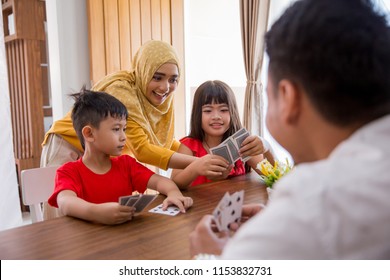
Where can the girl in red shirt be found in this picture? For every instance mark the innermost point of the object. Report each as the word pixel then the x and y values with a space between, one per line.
pixel 214 118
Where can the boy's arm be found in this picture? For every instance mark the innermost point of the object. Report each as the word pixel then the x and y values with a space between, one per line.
pixel 167 187
pixel 106 213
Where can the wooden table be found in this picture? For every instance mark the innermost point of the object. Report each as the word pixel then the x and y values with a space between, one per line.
pixel 147 237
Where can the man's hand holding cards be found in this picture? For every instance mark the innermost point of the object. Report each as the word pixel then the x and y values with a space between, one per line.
pixel 228 210
pixel 139 202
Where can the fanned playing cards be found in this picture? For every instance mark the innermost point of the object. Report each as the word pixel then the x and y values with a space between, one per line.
pixel 229 149
pixel 228 210
pixel 139 202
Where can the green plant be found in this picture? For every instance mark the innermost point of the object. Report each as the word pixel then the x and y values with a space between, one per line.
pixel 272 173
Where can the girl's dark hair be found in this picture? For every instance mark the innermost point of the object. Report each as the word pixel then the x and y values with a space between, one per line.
pixel 92 107
pixel 213 92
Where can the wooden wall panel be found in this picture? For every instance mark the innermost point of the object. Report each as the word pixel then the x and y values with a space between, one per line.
pixel 156 18
pixel 135 26
pixel 124 34
pixel 117 28
pixel 177 27
pixel 146 21
pixel 111 31
pixel 97 47
pixel 166 21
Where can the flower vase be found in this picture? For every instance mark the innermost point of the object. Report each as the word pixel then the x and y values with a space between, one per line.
pixel 269 192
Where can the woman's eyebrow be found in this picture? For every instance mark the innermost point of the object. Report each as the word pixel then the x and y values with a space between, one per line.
pixel 163 74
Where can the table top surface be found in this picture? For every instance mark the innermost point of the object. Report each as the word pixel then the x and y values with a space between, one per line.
pixel 148 236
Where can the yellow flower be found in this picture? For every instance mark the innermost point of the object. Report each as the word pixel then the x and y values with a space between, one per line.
pixel 272 173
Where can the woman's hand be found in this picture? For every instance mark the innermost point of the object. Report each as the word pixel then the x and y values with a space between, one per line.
pixel 213 167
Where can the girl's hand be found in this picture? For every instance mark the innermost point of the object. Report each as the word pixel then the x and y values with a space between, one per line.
pixel 252 146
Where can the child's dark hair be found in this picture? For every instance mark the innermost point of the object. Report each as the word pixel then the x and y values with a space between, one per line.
pixel 338 52
pixel 213 92
pixel 92 107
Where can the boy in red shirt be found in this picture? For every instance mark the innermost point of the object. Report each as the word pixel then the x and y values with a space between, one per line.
pixel 89 188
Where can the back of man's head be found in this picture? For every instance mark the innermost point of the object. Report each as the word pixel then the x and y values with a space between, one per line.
pixel 339 52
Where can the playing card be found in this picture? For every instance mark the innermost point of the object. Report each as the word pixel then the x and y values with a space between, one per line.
pixel 239 132
pixel 124 199
pixel 233 150
pixel 218 212
pixel 171 210
pixel 228 210
pixel 128 200
pixel 234 210
pixel 241 139
pixel 132 200
pixel 222 151
pixel 143 201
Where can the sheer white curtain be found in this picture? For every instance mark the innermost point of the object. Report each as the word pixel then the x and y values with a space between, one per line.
pixel 254 19
pixel 10 213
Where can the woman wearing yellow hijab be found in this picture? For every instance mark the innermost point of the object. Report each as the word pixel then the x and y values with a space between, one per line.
pixel 147 92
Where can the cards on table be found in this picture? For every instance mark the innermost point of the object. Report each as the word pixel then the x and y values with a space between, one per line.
pixel 229 149
pixel 171 210
pixel 139 201
pixel 228 210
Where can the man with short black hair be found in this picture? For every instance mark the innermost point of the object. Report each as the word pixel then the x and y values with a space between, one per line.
pixel 329 106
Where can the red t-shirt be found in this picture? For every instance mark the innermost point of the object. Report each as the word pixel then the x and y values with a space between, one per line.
pixel 198 150
pixel 125 176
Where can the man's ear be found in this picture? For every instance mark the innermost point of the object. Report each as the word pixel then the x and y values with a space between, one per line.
pixel 87 132
pixel 290 101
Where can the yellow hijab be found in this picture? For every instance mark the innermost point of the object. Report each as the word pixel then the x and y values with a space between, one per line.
pixel 130 88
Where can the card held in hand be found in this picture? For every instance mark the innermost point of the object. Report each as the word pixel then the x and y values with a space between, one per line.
pixel 139 202
pixel 143 201
pixel 222 151
pixel 229 149
pixel 228 210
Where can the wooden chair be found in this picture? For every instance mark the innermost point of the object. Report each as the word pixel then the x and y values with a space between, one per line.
pixel 37 186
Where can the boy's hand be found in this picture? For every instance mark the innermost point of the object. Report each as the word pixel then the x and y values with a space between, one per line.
pixel 182 202
pixel 112 213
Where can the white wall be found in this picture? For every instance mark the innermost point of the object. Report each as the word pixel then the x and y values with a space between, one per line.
pixel 67 28
pixel 10 213
pixel 213 48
